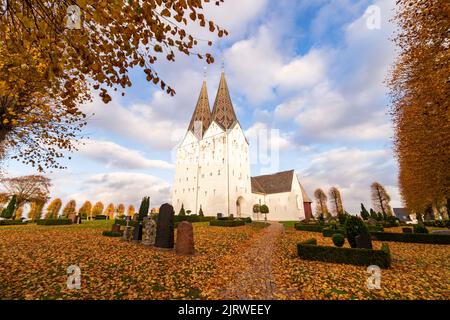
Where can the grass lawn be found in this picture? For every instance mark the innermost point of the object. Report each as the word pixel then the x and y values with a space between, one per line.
pixel 288 224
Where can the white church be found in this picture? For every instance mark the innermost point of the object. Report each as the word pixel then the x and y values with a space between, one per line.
pixel 212 169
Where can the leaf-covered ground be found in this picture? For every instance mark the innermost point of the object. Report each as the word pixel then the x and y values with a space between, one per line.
pixel 34 261
pixel 419 271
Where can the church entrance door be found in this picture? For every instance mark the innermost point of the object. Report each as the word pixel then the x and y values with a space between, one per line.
pixel 239 206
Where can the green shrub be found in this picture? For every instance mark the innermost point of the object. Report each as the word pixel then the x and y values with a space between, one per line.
pixel 123 222
pixel 247 220
pixel 100 217
pixel 53 222
pixel 311 241
pixel 328 232
pixel 112 233
pixel 355 256
pixel 8 212
pixel 412 237
pixel 308 227
pixel 193 218
pixel 11 222
pixel 227 223
pixel 354 226
pixel 338 239
pixel 420 228
pixel 377 228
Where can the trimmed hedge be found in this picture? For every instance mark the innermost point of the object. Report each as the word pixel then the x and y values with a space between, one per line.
pixel 438 223
pixel 355 256
pixel 123 222
pixel 11 222
pixel 227 223
pixel 112 233
pixel 100 217
pixel 309 227
pixel 412 237
pixel 193 218
pixel 311 241
pixel 329 232
pixel 53 222
pixel 247 220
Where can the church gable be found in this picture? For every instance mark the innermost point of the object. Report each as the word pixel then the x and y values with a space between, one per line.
pixel 213 129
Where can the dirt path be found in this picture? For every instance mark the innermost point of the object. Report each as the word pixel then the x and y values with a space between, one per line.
pixel 254 280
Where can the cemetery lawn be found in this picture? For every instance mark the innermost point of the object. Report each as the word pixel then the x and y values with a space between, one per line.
pixel 34 261
pixel 418 271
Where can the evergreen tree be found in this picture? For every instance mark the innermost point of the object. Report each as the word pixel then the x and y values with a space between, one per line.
pixel 10 209
pixel 373 214
pixel 143 209
pixel 182 212
pixel 364 213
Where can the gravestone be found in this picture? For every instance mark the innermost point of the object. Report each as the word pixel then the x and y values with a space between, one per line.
pixel 407 230
pixel 219 215
pixel 128 233
pixel 73 218
pixel 165 227
pixel 363 241
pixel 231 216
pixel 115 228
pixel 137 236
pixel 149 232
pixel 185 239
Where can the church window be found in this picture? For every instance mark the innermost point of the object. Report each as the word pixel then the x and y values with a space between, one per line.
pixel 183 190
pixel 203 175
pixel 218 172
pixel 214 191
pixel 205 193
pixel 236 189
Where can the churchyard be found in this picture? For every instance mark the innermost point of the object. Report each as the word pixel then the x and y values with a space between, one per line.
pixel 249 260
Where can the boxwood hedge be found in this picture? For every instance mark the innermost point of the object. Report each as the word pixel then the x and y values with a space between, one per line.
pixel 11 222
pixel 355 256
pixel 309 227
pixel 227 223
pixel 412 237
pixel 112 233
pixel 53 222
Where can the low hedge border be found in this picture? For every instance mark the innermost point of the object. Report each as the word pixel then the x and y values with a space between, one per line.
pixel 193 218
pixel 309 227
pixel 227 223
pixel 355 256
pixel 100 217
pixel 412 237
pixel 53 222
pixel 328 232
pixel 112 233
pixel 11 222
pixel 123 222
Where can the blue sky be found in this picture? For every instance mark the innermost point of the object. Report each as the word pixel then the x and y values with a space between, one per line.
pixel 311 69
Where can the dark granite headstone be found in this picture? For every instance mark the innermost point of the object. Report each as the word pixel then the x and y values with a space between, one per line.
pixel 407 230
pixel 137 236
pixel 363 241
pixel 219 215
pixel 231 216
pixel 165 227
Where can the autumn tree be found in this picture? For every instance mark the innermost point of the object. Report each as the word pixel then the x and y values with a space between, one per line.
pixel 53 209
pixel 420 95
pixel 120 210
pixel 380 199
pixel 50 64
pixel 321 203
pixel 70 209
pixel 336 201
pixel 131 210
pixel 85 210
pixel 27 189
pixel 97 209
pixel 109 211
pixel 36 210
pixel 19 213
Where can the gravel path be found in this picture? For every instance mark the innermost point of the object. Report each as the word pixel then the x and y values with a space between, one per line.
pixel 254 280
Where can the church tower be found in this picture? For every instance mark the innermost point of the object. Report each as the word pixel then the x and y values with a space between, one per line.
pixel 213 164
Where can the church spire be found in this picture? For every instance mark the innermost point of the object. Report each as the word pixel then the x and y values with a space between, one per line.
pixel 223 111
pixel 202 113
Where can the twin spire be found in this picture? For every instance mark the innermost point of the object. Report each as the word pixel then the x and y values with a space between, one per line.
pixel 223 112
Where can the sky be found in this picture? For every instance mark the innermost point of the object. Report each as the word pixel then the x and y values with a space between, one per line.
pixel 307 74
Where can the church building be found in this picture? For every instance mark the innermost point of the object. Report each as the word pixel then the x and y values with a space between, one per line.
pixel 212 170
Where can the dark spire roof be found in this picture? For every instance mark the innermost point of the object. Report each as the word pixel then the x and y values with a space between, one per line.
pixel 223 112
pixel 202 112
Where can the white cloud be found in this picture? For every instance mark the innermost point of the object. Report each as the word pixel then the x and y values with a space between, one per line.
pixel 352 170
pixel 123 187
pixel 114 155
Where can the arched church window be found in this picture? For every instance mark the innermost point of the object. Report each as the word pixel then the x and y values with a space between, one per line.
pixel 218 172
